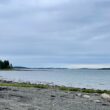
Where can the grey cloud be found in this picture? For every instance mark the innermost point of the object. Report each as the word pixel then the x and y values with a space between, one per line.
pixel 55 32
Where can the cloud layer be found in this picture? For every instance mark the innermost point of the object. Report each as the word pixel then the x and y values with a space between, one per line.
pixel 55 32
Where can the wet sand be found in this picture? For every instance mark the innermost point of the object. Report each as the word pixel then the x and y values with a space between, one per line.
pixel 13 98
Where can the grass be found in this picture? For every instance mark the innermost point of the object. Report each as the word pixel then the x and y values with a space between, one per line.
pixel 26 85
pixel 83 90
pixel 47 86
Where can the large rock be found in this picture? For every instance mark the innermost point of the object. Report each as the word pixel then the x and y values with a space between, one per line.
pixel 105 96
pixel 86 96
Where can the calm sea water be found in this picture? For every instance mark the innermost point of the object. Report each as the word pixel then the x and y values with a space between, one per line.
pixel 97 79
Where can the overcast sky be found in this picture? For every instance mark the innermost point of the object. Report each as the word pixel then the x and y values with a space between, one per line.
pixel 40 33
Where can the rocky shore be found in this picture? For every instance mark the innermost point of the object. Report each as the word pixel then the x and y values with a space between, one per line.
pixel 17 98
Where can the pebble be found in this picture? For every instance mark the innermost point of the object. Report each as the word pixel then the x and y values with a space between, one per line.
pixel 104 104
pixel 97 101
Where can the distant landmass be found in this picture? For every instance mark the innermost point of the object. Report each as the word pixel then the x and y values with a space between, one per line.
pixel 28 68
pixel 21 67
pixel 94 68
pixel 104 69
pixel 7 65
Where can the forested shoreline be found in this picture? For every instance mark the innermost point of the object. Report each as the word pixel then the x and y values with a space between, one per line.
pixel 5 64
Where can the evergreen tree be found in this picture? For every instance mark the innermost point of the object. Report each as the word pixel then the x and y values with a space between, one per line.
pixel 5 64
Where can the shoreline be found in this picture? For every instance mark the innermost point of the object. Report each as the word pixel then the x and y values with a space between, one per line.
pixel 93 81
pixel 41 85
pixel 27 96
pixel 75 79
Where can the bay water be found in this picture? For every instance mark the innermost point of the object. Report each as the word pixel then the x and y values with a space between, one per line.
pixel 94 79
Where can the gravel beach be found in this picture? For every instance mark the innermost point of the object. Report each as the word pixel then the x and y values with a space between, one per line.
pixel 13 98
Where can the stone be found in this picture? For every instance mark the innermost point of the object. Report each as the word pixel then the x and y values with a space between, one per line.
pixel 86 96
pixel 105 96
pixel 79 94
pixel 97 101
pixel 104 104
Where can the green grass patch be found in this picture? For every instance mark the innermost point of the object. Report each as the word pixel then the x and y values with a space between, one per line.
pixel 47 86
pixel 26 85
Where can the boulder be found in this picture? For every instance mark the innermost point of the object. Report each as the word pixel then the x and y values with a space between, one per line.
pixel 105 96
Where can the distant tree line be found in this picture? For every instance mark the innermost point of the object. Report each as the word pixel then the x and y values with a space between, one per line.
pixel 5 64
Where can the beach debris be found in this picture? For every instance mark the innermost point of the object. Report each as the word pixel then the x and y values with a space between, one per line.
pixel 105 96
